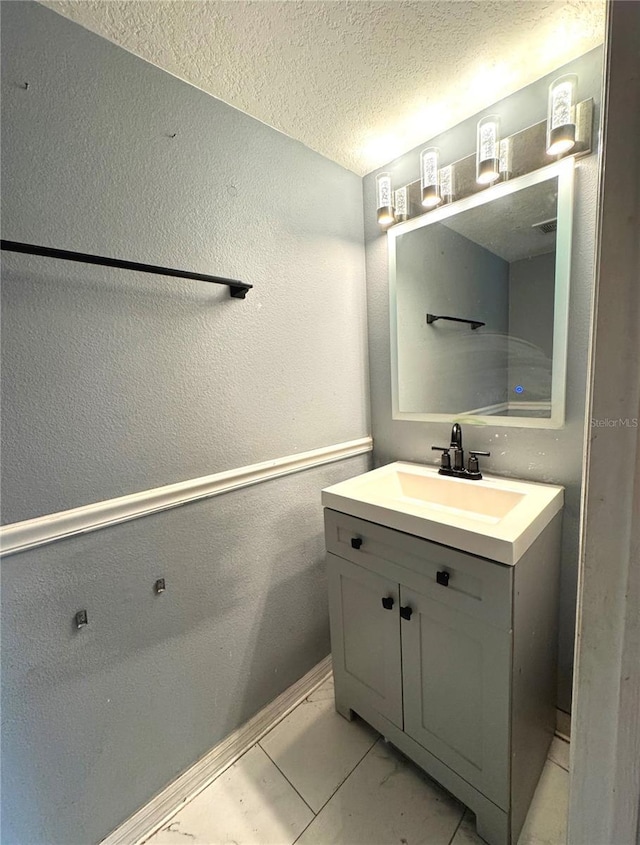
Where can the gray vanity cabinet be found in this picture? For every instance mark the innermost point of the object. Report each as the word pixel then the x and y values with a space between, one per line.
pixel 451 657
pixel 456 691
pixel 367 638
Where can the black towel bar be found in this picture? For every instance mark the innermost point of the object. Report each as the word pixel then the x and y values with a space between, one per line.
pixel 236 289
pixel 475 324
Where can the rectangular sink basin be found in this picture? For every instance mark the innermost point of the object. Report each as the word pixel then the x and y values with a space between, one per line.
pixel 444 493
pixel 497 518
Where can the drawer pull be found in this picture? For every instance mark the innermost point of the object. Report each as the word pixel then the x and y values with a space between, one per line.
pixel 406 612
pixel 387 603
pixel 356 542
pixel 442 578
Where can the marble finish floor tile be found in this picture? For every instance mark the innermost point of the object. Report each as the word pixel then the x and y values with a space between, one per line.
pixel 466 833
pixel 249 804
pixel 559 752
pixel 386 800
pixel 546 822
pixel 363 791
pixel 315 748
pixel 325 692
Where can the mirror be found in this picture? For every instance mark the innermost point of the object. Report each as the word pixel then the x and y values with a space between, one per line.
pixel 479 302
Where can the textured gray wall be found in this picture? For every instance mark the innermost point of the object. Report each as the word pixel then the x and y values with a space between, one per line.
pixel 531 292
pixel 97 721
pixel 116 382
pixel 550 456
pixel 138 381
pixel 440 271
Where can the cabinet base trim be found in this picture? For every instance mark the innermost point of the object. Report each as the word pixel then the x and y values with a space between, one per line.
pixel 492 822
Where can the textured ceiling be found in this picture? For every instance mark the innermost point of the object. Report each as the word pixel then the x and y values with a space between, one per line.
pixel 511 229
pixel 360 82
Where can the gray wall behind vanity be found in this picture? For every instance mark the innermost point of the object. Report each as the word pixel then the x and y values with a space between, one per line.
pixel 539 455
pixel 531 292
pixel 116 382
pixel 462 369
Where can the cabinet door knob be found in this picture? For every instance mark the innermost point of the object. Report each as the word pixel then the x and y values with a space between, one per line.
pixel 387 603
pixel 356 542
pixel 442 578
pixel 406 612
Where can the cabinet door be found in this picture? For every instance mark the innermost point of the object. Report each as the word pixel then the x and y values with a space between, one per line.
pixel 456 680
pixel 365 638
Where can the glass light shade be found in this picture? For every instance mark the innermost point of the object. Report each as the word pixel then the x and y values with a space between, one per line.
pixel 561 115
pixel 384 199
pixel 445 179
pixel 488 150
pixel 401 204
pixel 505 157
pixel 429 177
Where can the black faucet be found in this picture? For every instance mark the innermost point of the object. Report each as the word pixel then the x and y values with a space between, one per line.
pixel 456 447
pixel 457 468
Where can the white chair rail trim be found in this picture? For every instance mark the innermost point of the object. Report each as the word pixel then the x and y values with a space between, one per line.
pixel 21 536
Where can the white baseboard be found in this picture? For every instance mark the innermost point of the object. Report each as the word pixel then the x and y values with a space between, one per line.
pixel 150 818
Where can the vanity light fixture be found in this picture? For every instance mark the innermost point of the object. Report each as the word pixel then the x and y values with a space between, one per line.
pixel 429 177
pixel 561 115
pixel 488 150
pixel 445 180
pixel 401 204
pixel 505 157
pixel 386 214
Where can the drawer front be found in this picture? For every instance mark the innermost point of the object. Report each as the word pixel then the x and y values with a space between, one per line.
pixel 468 584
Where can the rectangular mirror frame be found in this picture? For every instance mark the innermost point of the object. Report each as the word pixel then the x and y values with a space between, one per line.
pixel 564 171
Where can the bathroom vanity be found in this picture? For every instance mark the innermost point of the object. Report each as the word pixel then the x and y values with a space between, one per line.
pixel 443 597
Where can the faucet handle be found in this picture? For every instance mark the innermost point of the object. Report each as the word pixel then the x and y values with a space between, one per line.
pixel 445 460
pixel 473 471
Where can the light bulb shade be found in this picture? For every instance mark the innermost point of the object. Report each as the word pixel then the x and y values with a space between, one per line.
pixel 401 204
pixel 561 114
pixel 429 177
pixel 506 158
pixel 445 180
pixel 488 150
pixel 384 199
